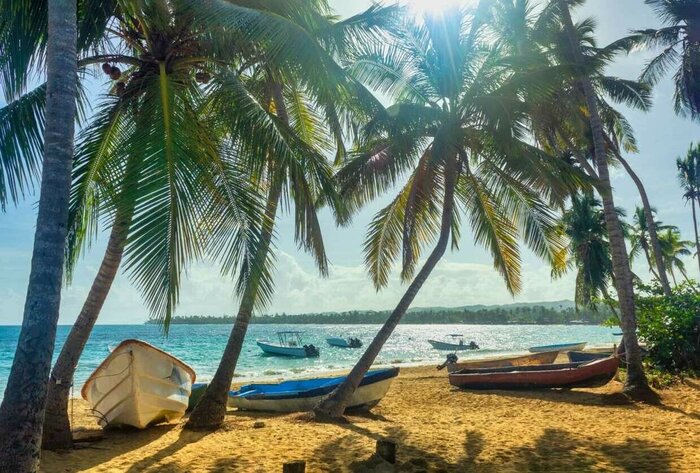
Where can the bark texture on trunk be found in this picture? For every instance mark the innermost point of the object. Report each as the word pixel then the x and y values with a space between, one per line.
pixel 334 405
pixel 636 383
pixel 653 235
pixel 22 409
pixel 57 431
pixel 210 411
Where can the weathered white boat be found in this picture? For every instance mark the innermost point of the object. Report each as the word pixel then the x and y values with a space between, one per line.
pixel 290 344
pixel 350 342
pixel 138 385
pixel 304 394
pixel 457 345
pixel 578 346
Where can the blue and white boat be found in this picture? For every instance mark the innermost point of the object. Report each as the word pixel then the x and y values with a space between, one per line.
pixel 577 346
pixel 351 342
pixel 304 394
pixel 289 344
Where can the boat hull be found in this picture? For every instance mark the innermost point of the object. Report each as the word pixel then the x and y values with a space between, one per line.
pixel 583 356
pixel 138 385
pixel 561 347
pixel 366 396
pixel 450 346
pixel 544 358
pixel 278 350
pixel 566 375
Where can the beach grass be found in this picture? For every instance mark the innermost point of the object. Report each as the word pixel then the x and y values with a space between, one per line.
pixel 437 429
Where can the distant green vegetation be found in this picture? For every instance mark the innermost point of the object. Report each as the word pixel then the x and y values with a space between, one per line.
pixel 540 315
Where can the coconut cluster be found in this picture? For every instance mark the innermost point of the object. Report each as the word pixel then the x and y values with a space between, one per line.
pixel 114 73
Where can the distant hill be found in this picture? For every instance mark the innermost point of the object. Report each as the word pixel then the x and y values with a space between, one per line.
pixel 540 313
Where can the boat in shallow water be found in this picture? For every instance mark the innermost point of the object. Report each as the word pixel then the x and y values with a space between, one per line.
pixel 350 342
pixel 138 385
pixel 289 344
pixel 544 358
pixel 564 375
pixel 456 345
pixel 304 394
pixel 577 346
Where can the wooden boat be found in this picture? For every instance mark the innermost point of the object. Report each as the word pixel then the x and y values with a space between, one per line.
pixel 457 345
pixel 350 342
pixel 577 356
pixel 578 346
pixel 544 358
pixel 138 385
pixel 565 375
pixel 290 344
pixel 303 395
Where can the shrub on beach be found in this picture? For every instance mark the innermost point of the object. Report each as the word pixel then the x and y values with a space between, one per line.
pixel 670 326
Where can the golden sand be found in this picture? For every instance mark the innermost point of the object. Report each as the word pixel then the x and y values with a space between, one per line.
pixel 437 429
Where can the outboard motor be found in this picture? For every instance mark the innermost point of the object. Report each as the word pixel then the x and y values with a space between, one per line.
pixel 451 359
pixel 355 342
pixel 473 345
pixel 311 350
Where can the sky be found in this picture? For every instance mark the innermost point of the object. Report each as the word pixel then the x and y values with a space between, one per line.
pixel 463 278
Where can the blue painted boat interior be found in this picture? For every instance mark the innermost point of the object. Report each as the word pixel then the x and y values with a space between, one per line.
pixel 559 345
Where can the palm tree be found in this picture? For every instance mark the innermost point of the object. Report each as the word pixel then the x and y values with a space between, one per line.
pixel 680 39
pixel 674 248
pixel 457 132
pixel 584 225
pixel 22 409
pixel 636 384
pixel 306 180
pixel 689 176
pixel 639 236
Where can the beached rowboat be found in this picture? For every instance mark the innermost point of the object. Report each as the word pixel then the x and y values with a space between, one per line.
pixel 578 346
pixel 565 375
pixel 304 394
pixel 544 358
pixel 579 356
pixel 138 385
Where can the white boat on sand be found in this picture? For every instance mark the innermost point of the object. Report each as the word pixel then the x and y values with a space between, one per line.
pixel 289 344
pixel 138 385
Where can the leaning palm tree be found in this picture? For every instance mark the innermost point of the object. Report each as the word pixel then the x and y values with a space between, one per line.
pixel 303 106
pixel 674 249
pixel 457 133
pixel 584 225
pixel 689 176
pixel 638 235
pixel 22 409
pixel 679 37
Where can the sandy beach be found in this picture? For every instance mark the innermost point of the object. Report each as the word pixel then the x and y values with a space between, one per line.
pixel 437 429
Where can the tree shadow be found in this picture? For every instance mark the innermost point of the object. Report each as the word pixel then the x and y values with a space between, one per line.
pixel 569 396
pixel 185 438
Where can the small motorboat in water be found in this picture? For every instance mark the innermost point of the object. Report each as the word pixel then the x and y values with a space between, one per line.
pixel 456 345
pixel 564 375
pixel 544 358
pixel 138 385
pixel 577 346
pixel 290 344
pixel 304 394
pixel 350 342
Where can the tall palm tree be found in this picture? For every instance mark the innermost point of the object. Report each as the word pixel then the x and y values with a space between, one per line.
pixel 584 225
pixel 636 383
pixel 457 133
pixel 306 180
pixel 689 176
pixel 22 408
pixel 674 248
pixel 680 39
pixel 639 236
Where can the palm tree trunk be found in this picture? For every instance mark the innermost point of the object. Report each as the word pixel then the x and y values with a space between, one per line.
pixel 57 430
pixel 694 201
pixel 211 409
pixel 334 405
pixel 653 235
pixel 636 383
pixel 22 409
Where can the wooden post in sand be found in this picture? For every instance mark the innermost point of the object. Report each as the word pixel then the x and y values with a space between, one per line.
pixel 298 466
pixel 386 449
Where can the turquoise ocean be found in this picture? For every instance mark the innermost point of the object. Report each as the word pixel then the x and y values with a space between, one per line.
pixel 201 346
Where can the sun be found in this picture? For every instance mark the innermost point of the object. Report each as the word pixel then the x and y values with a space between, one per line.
pixel 422 6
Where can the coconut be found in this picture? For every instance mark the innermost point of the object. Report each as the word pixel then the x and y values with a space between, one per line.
pixel 115 73
pixel 107 68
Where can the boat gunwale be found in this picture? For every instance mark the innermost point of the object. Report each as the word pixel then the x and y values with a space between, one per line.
pixel 130 341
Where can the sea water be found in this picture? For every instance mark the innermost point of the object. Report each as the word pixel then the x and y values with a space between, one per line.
pixel 201 346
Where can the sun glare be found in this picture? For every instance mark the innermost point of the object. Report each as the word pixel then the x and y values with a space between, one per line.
pixel 421 6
